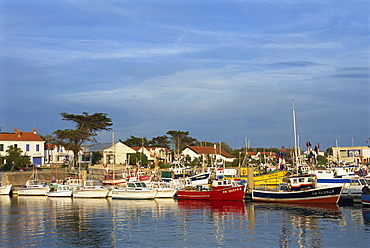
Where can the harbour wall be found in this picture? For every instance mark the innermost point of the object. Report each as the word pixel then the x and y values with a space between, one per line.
pixel 19 179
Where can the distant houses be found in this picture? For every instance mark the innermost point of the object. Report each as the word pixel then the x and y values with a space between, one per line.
pixel 207 152
pixel 116 153
pixel 30 143
pixel 57 155
pixel 40 153
pixel 160 153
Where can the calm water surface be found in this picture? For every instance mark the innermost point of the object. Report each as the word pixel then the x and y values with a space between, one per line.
pixel 31 221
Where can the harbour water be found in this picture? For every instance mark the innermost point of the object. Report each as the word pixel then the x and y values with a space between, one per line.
pixel 28 221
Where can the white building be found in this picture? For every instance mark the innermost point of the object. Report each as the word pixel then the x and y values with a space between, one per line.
pixel 30 143
pixel 351 154
pixel 160 153
pixel 215 153
pixel 112 154
pixel 57 155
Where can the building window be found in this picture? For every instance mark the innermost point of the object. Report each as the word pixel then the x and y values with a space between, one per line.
pixel 37 148
pixel 27 147
pixel 1 147
pixel 15 146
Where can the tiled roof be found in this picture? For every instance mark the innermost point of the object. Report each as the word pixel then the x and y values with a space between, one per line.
pixel 49 146
pixel 210 150
pixel 137 148
pixel 20 136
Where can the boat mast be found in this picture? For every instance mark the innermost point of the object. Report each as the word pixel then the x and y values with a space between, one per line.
pixel 295 137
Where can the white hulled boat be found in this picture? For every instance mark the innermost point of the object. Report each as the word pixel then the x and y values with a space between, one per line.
pixel 164 189
pixel 135 190
pixel 5 189
pixel 62 190
pixel 34 187
pixel 91 189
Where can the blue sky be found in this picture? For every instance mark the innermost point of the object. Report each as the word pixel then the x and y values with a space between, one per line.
pixel 222 70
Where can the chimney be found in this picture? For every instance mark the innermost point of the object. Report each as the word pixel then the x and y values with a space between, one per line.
pixel 15 130
pixel 34 130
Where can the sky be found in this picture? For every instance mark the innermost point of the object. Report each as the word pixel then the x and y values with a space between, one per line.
pixel 225 71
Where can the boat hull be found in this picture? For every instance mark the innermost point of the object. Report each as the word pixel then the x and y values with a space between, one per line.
pixel 270 180
pixel 224 194
pixel 33 192
pixel 121 181
pixel 5 189
pixel 166 193
pixel 134 194
pixel 325 195
pixel 60 194
pixel 365 200
pixel 93 193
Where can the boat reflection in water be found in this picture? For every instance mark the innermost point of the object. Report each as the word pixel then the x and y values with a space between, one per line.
pixel 366 216
pixel 299 224
pixel 217 207
pixel 301 209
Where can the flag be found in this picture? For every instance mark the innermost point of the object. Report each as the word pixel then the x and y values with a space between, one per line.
pixel 318 145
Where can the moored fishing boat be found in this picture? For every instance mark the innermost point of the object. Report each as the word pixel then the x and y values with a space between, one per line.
pixel 324 195
pixel 115 179
pixel 91 189
pixel 285 194
pixel 221 189
pixel 5 189
pixel 61 190
pixel 164 189
pixel 34 187
pixel 271 179
pixel 135 190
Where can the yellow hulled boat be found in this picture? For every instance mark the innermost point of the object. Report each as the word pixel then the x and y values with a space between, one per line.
pixel 269 180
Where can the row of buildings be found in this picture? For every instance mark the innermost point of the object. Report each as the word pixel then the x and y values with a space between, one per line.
pixel 42 154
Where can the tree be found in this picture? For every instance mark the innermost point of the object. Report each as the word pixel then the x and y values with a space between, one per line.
pixel 181 139
pixel 139 159
pixel 15 160
pixel 134 141
pixel 87 128
pixel 160 141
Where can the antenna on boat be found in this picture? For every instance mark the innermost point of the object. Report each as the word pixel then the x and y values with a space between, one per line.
pixel 295 135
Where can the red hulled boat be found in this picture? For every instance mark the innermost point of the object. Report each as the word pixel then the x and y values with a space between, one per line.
pixel 220 190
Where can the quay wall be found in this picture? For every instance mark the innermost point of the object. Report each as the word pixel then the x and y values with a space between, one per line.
pixel 19 179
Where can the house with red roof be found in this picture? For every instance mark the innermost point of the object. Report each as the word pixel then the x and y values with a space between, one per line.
pixel 265 155
pixel 57 154
pixel 160 153
pixel 216 153
pixel 30 143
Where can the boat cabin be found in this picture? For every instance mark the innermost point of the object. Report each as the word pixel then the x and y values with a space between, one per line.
pixel 302 182
pixel 136 185
pixel 35 184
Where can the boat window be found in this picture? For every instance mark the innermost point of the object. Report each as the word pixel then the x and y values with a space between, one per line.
pixel 143 185
pixel 131 185
pixel 301 180
pixel 354 182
